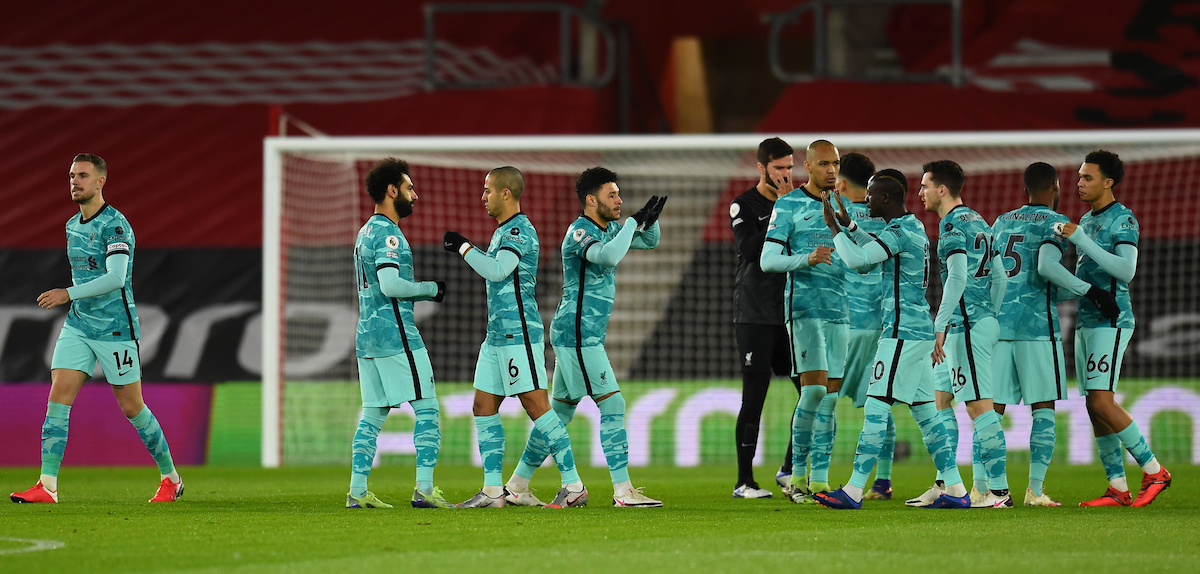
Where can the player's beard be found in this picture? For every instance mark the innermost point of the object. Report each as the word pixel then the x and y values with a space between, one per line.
pixel 403 207
pixel 606 213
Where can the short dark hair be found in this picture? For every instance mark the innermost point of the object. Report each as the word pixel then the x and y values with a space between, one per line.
pixel 948 173
pixel 772 149
pixel 1039 176
pixel 389 171
pixel 1110 164
pixel 887 182
pixel 896 175
pixel 591 180
pixel 857 169
pixel 510 178
pixel 101 165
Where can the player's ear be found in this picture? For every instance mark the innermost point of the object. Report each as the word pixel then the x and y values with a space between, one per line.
pixel 762 170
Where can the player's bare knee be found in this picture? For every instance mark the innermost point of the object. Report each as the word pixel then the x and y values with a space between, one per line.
pixel 976 408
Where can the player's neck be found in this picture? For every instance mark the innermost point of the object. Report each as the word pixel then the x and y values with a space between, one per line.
pixel 948 205
pixel 813 189
pixel 507 211
pixel 388 212
pixel 1103 201
pixel 593 215
pixel 91 207
pixel 767 191
pixel 855 195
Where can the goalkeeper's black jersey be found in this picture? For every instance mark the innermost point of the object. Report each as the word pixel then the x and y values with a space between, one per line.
pixel 757 296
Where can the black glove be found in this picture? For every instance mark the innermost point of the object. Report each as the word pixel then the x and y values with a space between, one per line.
pixel 441 294
pixel 1104 301
pixel 644 213
pixel 452 241
pixel 656 211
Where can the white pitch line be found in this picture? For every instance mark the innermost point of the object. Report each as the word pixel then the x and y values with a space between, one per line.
pixel 37 545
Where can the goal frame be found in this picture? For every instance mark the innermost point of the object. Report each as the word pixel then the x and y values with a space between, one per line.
pixel 274 149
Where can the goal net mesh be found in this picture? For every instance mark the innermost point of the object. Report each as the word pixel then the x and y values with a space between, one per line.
pixel 671 337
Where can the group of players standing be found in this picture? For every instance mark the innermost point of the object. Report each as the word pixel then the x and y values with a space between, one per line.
pixel 851 319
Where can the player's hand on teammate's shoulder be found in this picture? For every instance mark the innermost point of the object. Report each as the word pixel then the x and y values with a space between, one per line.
pixel 1067 229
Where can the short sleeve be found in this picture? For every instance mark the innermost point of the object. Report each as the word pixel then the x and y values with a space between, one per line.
pixel 578 241
pixel 952 240
pixel 387 249
pixel 517 240
pixel 779 229
pixel 1125 230
pixel 891 238
pixel 1052 235
pixel 118 238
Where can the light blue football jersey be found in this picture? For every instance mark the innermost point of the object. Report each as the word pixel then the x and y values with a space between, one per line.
pixel 812 292
pixel 906 313
pixel 1028 312
pixel 581 318
pixel 865 290
pixel 513 317
pixel 113 315
pixel 963 230
pixel 1110 227
pixel 386 326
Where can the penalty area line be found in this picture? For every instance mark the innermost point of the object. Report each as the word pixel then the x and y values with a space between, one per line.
pixel 34 545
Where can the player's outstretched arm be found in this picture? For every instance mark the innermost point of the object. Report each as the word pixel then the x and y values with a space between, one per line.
pixel 856 256
pixel 113 279
pixel 492 269
pixel 1121 265
pixel 393 286
pixel 611 253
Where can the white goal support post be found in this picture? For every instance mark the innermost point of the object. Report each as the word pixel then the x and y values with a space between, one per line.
pixel 671 333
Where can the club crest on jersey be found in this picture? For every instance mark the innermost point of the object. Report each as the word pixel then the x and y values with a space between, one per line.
pixel 734 210
pixel 392 242
pixel 578 234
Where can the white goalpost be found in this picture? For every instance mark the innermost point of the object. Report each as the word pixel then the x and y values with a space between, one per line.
pixel 672 319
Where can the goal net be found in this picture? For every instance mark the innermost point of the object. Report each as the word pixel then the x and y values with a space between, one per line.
pixel 671 339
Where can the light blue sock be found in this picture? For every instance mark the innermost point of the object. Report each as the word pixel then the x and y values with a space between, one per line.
pixel 993 450
pixel 978 474
pixel 54 437
pixel 888 451
pixel 1135 443
pixel 937 441
pixel 824 431
pixel 1109 446
pixel 363 449
pixel 613 437
pixel 870 441
pixel 802 424
pixel 536 448
pixel 491 448
pixel 560 445
pixel 1041 448
pixel 427 439
pixel 951 422
pixel 152 436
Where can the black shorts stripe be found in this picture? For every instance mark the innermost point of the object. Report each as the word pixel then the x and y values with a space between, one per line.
pixel 1058 382
pixel 516 275
pixel 412 364
pixel 1113 362
pixel 970 353
pixel 587 381
pixel 1113 321
pixel 895 366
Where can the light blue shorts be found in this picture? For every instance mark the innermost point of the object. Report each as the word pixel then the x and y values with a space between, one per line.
pixel 818 345
pixel 1029 372
pixel 118 359
pixel 969 357
pixel 582 372
pixel 903 371
pixel 860 357
pixel 510 370
pixel 392 381
pixel 1098 354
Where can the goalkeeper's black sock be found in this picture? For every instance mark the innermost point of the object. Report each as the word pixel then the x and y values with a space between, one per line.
pixel 754 394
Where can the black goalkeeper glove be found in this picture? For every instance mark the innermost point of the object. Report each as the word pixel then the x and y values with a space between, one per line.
pixel 644 213
pixel 452 241
pixel 441 294
pixel 1105 302
pixel 656 211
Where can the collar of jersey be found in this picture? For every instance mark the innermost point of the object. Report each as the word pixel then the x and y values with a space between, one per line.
pixel 94 215
pixel 505 222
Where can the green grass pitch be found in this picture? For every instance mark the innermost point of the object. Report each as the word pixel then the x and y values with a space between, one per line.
pixel 293 520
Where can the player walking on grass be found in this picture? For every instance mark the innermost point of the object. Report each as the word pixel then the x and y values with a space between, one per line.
pixel 512 357
pixel 864 291
pixel 1029 364
pixel 758 310
pixel 1107 240
pixel 903 371
pixel 973 284
pixel 101 325
pixel 799 243
pixel 393 363
pixel 594 245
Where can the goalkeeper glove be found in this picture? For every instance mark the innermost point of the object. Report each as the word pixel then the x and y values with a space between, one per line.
pixel 441 293
pixel 454 241
pixel 656 211
pixel 1104 301
pixel 644 213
